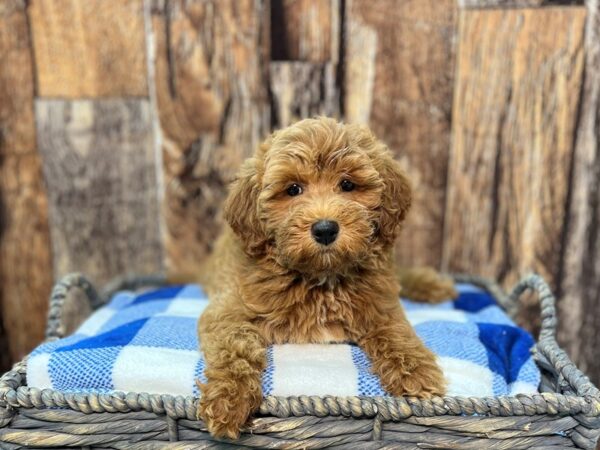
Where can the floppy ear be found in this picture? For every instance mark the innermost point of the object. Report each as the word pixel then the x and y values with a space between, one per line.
pixel 241 207
pixel 397 193
pixel 396 197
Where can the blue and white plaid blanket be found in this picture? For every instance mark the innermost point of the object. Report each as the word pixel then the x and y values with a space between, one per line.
pixel 147 343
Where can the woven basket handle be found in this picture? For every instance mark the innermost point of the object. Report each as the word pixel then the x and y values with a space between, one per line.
pixel 71 301
pixel 510 303
pixel 547 303
pixel 74 297
pixel 549 353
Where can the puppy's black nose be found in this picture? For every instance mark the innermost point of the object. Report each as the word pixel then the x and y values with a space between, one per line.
pixel 325 231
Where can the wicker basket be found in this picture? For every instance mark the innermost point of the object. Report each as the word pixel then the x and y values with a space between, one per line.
pixel 566 414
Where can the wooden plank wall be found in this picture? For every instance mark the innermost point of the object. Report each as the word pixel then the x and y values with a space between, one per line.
pixel 100 174
pixel 515 112
pixel 400 59
pixel 215 51
pixel 89 49
pixel 122 122
pixel 25 257
pixel 580 279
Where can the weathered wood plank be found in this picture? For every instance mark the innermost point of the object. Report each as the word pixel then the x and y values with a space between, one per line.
pixel 514 3
pixel 580 286
pixel 515 110
pixel 25 259
pixel 99 166
pixel 399 70
pixel 301 89
pixel 306 30
pixel 91 48
pixel 213 106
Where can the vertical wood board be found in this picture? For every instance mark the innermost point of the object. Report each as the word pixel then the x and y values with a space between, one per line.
pixel 211 67
pixel 399 71
pixel 90 48
pixel 25 259
pixel 580 284
pixel 512 3
pixel 99 167
pixel 306 30
pixel 515 110
pixel 300 90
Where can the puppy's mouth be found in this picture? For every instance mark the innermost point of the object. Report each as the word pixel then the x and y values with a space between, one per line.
pixel 311 258
pixel 316 261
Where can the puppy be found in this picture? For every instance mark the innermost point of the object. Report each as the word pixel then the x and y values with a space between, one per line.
pixel 307 258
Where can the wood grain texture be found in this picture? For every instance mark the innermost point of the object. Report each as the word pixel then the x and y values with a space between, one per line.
pixel 515 111
pixel 25 259
pixel 213 105
pixel 98 162
pixel 91 48
pixel 399 70
pixel 306 30
pixel 580 285
pixel 515 3
pixel 301 89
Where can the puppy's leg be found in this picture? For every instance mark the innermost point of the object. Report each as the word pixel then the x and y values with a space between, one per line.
pixel 235 355
pixel 425 284
pixel 403 363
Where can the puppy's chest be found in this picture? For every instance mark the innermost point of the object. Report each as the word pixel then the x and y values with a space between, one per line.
pixel 323 316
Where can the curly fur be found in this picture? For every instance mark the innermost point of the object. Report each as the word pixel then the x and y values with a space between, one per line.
pixel 269 282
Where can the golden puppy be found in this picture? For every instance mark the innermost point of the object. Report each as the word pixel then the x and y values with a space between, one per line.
pixel 308 259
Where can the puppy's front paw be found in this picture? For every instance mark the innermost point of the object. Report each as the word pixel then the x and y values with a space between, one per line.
pixel 225 406
pixel 422 379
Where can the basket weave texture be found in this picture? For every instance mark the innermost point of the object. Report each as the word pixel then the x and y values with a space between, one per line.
pixel 565 414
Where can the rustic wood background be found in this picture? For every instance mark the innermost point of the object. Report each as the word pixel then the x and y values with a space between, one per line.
pixel 122 121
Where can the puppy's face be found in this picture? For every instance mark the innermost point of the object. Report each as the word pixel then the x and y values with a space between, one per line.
pixel 319 201
pixel 321 197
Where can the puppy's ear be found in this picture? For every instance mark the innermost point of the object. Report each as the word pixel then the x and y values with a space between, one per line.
pixel 241 206
pixel 396 197
pixel 397 192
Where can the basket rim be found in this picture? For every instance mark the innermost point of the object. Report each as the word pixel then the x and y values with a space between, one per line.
pixel 15 394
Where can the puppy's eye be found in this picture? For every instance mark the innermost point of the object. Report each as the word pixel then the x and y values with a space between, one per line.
pixel 347 185
pixel 294 189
